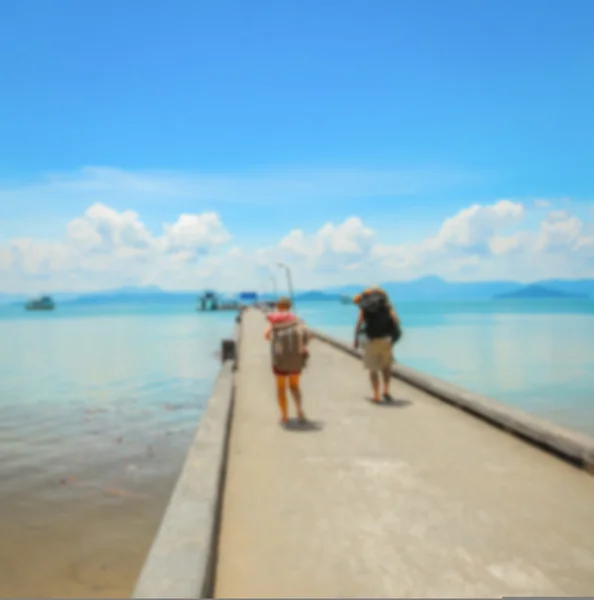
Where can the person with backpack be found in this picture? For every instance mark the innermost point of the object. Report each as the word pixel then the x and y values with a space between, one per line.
pixel 288 340
pixel 380 325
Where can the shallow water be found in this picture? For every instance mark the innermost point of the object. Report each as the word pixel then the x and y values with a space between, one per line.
pixel 535 355
pixel 98 406
pixel 96 416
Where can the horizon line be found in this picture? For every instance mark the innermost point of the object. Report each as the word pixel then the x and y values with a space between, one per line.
pixel 329 289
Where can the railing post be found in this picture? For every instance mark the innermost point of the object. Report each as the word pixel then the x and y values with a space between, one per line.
pixel 228 350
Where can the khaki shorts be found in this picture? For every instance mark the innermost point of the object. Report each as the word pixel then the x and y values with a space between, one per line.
pixel 377 354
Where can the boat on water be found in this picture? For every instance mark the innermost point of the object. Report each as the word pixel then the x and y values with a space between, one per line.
pixel 42 303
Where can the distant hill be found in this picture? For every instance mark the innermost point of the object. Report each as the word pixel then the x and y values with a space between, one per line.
pixel 315 295
pixel 570 286
pixel 537 291
pixel 434 288
pixel 430 288
pixel 75 297
pixel 11 299
pixel 133 299
pixel 133 295
pixel 158 296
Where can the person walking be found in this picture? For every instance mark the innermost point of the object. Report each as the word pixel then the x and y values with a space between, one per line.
pixel 289 338
pixel 380 324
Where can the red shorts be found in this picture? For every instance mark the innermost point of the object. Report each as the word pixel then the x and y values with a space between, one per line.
pixel 284 373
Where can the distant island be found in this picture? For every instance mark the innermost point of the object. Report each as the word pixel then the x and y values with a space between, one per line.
pixel 424 289
pixel 536 291
pixel 316 296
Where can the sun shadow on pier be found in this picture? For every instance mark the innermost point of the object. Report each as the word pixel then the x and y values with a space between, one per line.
pixel 394 403
pixel 295 425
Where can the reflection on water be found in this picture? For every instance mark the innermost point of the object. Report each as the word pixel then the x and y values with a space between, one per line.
pixel 95 417
pixel 540 361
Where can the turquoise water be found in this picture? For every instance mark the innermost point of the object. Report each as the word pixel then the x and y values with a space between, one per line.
pixel 99 404
pixel 97 408
pixel 535 355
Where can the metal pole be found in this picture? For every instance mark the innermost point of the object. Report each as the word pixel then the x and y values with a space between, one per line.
pixel 289 283
pixel 274 287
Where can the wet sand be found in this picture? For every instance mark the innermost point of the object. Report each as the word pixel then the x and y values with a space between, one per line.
pixel 78 551
pixel 81 526
pixel 96 415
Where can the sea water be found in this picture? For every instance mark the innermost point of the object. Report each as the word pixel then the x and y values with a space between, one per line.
pixel 536 355
pixel 98 406
pixel 97 409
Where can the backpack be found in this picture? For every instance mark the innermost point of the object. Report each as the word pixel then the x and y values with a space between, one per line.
pixel 377 317
pixel 288 345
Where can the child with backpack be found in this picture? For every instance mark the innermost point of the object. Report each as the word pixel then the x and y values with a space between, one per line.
pixel 288 340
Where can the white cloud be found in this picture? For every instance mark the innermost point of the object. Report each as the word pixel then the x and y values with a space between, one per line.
pixel 474 227
pixel 585 244
pixel 542 203
pixel 471 233
pixel 196 232
pixel 559 230
pixel 105 248
pixel 500 244
pixel 105 229
pixel 349 240
pixel 6 259
pixel 479 242
pixel 34 256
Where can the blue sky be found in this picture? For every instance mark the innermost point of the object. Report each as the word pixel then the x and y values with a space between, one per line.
pixel 283 115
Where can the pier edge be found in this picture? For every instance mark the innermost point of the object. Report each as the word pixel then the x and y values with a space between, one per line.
pixel 568 445
pixel 182 559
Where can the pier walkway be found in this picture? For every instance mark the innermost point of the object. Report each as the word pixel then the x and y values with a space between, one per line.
pixel 413 499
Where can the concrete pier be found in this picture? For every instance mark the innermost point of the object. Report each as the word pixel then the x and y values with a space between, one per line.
pixel 410 499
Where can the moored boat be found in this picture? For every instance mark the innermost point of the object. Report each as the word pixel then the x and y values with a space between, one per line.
pixel 210 300
pixel 42 303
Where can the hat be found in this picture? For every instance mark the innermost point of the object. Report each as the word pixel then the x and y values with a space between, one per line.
pixel 283 302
